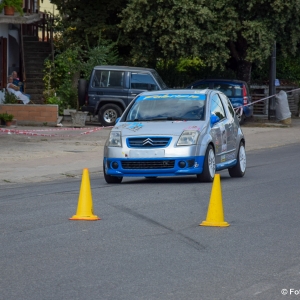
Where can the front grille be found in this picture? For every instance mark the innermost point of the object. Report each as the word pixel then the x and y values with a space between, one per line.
pixel 148 164
pixel 148 142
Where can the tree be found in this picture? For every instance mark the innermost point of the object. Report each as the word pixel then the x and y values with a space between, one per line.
pixel 80 19
pixel 233 33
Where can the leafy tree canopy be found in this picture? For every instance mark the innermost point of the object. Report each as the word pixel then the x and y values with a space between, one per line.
pixel 233 32
pixel 81 19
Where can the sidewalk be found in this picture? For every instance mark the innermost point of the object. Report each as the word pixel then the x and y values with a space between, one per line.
pixel 36 154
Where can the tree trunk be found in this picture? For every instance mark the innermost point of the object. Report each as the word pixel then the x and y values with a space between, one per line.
pixel 244 71
pixel 75 79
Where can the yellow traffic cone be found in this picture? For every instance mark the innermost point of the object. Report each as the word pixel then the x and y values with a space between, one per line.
pixel 85 202
pixel 215 214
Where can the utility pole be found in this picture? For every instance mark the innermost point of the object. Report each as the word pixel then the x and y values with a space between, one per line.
pixel 272 78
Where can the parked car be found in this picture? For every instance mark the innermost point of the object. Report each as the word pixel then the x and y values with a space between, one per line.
pixel 236 90
pixel 176 133
pixel 111 88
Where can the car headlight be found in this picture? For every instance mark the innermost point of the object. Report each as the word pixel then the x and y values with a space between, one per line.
pixel 115 139
pixel 188 137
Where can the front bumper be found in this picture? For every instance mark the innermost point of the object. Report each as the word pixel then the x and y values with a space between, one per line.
pixel 166 166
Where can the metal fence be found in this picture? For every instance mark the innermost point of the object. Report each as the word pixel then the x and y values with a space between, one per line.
pixel 261 91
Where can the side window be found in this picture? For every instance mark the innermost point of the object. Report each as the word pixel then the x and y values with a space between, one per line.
pixel 99 78
pixel 116 79
pixel 113 79
pixel 228 104
pixel 141 81
pixel 216 107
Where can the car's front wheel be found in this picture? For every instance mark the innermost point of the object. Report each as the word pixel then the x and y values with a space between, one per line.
pixel 239 169
pixel 111 179
pixel 209 166
pixel 108 114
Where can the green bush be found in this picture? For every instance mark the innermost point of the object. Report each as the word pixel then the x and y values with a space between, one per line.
pixel 56 100
pixel 60 79
pixel 61 75
pixel 6 117
pixel 10 98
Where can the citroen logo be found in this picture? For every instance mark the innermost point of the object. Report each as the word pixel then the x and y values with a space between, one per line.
pixel 148 142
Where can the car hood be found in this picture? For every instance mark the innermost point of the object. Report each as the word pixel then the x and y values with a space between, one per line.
pixel 157 127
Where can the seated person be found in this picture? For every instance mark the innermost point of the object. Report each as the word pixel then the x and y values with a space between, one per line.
pixel 16 81
pixel 13 89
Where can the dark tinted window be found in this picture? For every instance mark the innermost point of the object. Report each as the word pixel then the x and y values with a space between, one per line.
pixel 143 82
pixel 113 79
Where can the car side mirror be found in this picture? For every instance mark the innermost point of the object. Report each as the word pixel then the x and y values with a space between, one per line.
pixel 214 119
pixel 118 119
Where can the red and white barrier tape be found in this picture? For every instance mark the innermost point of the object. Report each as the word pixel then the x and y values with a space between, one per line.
pixel 263 99
pixel 61 129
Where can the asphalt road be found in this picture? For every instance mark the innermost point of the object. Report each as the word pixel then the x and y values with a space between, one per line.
pixel 39 154
pixel 148 243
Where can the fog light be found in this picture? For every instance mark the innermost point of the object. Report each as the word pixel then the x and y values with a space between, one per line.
pixel 115 165
pixel 182 164
pixel 191 163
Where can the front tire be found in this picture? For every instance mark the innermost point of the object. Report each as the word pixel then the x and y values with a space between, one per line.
pixel 239 169
pixel 111 179
pixel 209 167
pixel 108 114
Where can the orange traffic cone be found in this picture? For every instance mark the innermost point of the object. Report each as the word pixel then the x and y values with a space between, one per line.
pixel 215 214
pixel 85 202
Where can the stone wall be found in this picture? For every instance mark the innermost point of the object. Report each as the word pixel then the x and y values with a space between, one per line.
pixel 32 114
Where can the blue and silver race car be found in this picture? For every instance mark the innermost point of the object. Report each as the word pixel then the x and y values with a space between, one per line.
pixel 176 133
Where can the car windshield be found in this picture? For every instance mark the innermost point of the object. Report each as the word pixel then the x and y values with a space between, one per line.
pixel 167 107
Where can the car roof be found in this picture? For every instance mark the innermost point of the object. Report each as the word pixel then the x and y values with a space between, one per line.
pixel 220 80
pixel 122 68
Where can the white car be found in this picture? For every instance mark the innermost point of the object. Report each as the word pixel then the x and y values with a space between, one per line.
pixel 175 133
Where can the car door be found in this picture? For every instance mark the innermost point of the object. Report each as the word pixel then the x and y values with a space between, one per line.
pixel 232 125
pixel 221 131
pixel 141 82
pixel 108 85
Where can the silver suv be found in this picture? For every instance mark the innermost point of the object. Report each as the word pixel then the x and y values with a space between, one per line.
pixel 111 88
